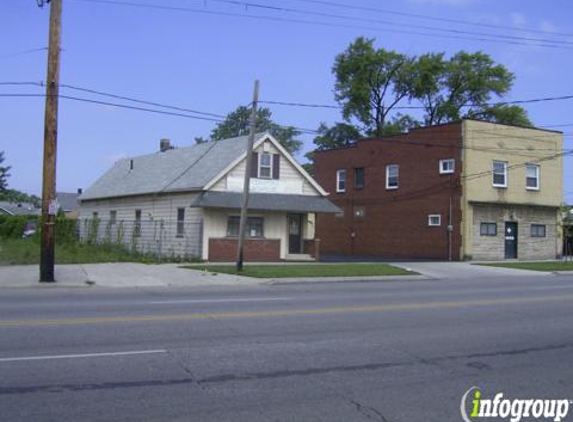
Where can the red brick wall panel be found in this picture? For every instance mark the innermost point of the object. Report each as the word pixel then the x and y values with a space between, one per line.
pixel 395 222
pixel 255 250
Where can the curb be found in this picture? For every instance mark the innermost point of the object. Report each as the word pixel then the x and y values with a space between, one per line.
pixel 325 280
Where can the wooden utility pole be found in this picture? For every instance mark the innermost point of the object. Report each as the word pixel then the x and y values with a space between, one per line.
pixel 246 186
pixel 49 206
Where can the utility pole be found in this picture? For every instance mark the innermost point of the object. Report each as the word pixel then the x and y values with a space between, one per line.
pixel 246 186
pixel 49 207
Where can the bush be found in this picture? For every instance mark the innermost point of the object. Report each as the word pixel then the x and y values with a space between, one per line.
pixel 12 226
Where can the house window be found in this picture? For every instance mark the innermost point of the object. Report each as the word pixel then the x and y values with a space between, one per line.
pixel 532 177
pixel 392 173
pixel 538 230
pixel 359 178
pixel 265 165
pixel 434 220
pixel 137 224
pixel 500 174
pixel 112 216
pixel 254 226
pixel 488 229
pixel 447 166
pixel 341 180
pixel 180 222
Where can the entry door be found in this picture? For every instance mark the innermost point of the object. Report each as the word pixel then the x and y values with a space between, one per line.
pixel 510 240
pixel 294 233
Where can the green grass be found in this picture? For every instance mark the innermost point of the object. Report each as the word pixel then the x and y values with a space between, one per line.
pixel 306 270
pixel 536 266
pixel 27 251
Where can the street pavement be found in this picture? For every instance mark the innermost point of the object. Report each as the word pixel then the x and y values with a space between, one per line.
pixel 381 351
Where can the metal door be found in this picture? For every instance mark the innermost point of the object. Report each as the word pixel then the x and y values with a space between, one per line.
pixel 510 240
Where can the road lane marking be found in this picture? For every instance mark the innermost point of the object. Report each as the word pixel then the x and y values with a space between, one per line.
pixel 260 299
pixel 83 355
pixel 288 312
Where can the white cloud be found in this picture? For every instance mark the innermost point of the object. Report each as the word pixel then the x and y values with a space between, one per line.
pixel 517 19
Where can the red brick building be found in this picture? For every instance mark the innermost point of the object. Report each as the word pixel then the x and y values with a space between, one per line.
pixel 401 195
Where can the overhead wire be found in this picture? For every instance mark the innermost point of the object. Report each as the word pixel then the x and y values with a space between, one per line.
pixel 314 22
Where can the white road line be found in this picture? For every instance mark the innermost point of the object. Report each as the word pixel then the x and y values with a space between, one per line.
pixel 84 355
pixel 256 299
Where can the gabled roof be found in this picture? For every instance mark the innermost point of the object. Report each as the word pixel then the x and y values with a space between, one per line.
pixel 181 169
pixel 22 208
pixel 68 201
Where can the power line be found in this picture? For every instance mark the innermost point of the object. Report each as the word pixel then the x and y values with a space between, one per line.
pixel 311 22
pixel 332 106
pixel 248 4
pixel 432 18
pixel 22 53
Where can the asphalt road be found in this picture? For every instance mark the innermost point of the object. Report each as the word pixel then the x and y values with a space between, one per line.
pixel 381 351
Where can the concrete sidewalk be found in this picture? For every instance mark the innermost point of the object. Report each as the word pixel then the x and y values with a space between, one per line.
pixel 117 275
pixel 464 270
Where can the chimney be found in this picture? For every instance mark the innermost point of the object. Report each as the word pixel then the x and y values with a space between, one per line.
pixel 164 145
pixel 80 191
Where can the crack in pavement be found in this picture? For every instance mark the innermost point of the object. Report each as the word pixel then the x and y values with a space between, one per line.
pixel 250 376
pixel 368 411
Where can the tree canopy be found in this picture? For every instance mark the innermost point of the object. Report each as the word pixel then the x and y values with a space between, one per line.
pixel 237 124
pixel 371 84
pixel 4 173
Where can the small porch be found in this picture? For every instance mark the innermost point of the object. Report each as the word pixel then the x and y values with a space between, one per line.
pixel 280 227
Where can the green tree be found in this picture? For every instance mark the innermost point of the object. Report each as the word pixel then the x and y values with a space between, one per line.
pixel 237 124
pixel 464 86
pixel 4 173
pixel 370 83
pixel 339 135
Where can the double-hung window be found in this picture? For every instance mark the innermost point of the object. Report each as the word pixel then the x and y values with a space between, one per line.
pixel 341 180
pixel 137 224
pixel 532 177
pixel 392 175
pixel 500 174
pixel 265 165
pixel 359 178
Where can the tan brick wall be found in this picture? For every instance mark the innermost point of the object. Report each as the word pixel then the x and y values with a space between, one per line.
pixel 528 248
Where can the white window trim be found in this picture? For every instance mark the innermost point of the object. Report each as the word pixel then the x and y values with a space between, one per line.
pixel 430 216
pixel 500 185
pixel 538 167
pixel 270 176
pixel 338 173
pixel 447 160
pixel 388 178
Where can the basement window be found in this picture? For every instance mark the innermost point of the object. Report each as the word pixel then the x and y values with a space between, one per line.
pixel 434 220
pixel 488 229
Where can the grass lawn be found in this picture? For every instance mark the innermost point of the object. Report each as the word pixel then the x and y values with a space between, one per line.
pixel 306 270
pixel 536 266
pixel 27 251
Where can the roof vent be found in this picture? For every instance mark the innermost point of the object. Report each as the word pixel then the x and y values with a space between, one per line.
pixel 164 145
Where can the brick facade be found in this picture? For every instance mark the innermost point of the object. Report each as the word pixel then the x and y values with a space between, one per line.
pixel 256 250
pixel 394 223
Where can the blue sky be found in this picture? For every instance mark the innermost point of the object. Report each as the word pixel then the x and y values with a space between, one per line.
pixel 208 62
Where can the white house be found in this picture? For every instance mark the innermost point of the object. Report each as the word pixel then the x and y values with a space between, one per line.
pixel 186 202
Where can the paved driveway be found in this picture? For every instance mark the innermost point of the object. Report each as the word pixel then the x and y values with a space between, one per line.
pixel 464 270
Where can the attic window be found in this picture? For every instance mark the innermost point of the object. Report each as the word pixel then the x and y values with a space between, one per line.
pixel 265 166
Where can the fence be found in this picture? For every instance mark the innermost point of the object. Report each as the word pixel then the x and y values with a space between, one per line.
pixel 153 237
